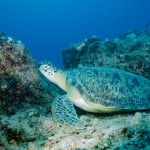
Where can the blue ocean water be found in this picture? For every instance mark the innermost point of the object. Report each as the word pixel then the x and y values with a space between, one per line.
pixel 48 26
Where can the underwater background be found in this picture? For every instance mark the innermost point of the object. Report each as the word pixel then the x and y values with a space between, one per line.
pixel 73 34
pixel 46 27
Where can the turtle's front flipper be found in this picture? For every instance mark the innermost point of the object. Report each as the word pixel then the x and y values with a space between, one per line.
pixel 64 113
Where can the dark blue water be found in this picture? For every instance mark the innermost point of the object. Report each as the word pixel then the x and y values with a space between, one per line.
pixel 48 26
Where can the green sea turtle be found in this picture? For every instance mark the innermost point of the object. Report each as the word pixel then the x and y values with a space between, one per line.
pixel 97 90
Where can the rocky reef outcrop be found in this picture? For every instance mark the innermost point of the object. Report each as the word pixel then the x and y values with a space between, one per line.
pixel 25 96
pixel 19 81
pixel 129 52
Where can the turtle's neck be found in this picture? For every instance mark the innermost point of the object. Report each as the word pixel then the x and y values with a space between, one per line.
pixel 60 80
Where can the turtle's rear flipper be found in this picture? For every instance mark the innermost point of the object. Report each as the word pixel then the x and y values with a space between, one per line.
pixel 64 113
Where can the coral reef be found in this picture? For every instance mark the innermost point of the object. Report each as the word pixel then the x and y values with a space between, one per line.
pixel 24 127
pixel 25 98
pixel 29 130
pixel 19 82
pixel 129 52
pixel 109 132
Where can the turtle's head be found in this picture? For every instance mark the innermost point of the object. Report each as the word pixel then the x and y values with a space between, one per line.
pixel 48 71
pixel 54 75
